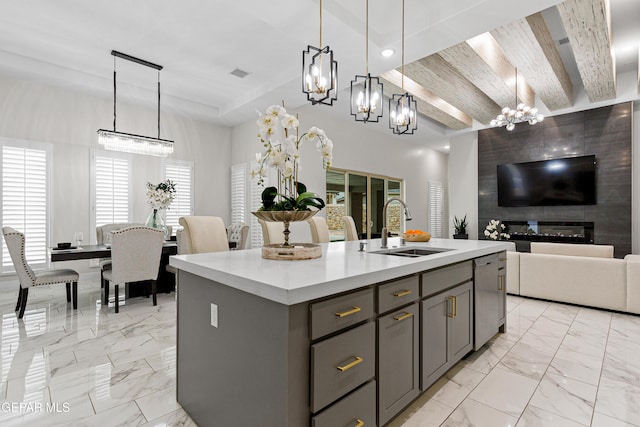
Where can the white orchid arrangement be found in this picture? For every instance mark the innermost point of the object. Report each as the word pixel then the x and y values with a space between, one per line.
pixel 495 230
pixel 161 195
pixel 278 133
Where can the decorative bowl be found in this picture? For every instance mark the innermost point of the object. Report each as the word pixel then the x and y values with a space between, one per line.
pixel 424 237
pixel 65 245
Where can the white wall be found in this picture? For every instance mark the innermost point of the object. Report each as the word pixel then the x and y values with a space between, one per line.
pixel 463 180
pixel 32 110
pixel 357 148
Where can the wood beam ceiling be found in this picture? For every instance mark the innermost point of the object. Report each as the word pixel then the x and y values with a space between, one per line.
pixel 588 27
pixel 428 104
pixel 529 46
pixel 481 61
pixel 438 76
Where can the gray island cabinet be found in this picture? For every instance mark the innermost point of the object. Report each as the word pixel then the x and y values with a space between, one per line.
pixel 349 339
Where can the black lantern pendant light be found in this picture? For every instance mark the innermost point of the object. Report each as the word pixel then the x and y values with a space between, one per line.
pixel 319 73
pixel 403 118
pixel 366 91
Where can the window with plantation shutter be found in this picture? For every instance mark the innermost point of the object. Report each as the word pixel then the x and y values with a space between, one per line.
pixel 181 173
pixel 25 198
pixel 256 203
pixel 238 193
pixel 436 197
pixel 110 188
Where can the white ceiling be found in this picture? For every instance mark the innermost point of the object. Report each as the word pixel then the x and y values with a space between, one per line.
pixel 199 42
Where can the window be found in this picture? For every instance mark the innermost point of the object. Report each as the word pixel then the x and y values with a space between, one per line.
pixel 25 198
pixel 110 188
pixel 181 173
pixel 436 196
pixel 238 184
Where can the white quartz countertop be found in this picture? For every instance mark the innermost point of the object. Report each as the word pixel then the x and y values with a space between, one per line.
pixel 341 268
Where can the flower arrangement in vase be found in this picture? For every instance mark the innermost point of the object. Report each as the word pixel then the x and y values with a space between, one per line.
pixel 159 196
pixel 289 200
pixel 495 230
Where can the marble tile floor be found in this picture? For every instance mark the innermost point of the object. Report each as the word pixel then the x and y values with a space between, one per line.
pixel 557 365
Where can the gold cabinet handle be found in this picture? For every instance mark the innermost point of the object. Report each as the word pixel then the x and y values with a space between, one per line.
pixel 451 313
pixel 404 316
pixel 402 293
pixel 350 365
pixel 359 423
pixel 455 306
pixel 501 282
pixel 354 310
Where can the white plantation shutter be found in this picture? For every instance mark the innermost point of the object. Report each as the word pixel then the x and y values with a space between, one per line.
pixel 256 203
pixel 25 198
pixel 238 193
pixel 111 188
pixel 436 197
pixel 181 173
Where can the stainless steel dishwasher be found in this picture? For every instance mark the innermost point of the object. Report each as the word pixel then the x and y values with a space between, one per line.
pixel 489 297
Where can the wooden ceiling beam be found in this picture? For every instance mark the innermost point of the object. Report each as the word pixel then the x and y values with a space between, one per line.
pixel 428 104
pixel 530 47
pixel 438 76
pixel 481 61
pixel 588 27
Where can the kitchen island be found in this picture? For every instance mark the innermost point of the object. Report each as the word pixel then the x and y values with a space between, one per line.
pixel 350 338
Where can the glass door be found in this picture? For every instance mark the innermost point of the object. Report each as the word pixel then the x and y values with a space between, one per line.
pixel 336 203
pixel 377 205
pixel 394 210
pixel 357 199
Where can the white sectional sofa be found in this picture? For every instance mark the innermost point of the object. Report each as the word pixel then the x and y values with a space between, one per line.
pixel 578 274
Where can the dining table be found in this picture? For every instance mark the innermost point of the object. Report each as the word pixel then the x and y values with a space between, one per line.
pixel 166 280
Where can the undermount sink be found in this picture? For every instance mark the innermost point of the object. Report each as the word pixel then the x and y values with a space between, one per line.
pixel 410 252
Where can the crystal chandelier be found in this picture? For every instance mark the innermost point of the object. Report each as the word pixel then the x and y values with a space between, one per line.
pixel 128 142
pixel 403 107
pixel 319 73
pixel 522 113
pixel 366 91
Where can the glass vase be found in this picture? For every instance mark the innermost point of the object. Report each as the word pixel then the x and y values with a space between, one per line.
pixel 155 220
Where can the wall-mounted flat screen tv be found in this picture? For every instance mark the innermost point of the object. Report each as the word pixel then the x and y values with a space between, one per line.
pixel 556 182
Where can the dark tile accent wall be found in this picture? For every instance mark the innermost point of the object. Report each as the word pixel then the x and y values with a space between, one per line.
pixel 605 132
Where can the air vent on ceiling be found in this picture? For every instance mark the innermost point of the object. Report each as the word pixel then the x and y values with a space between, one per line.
pixel 239 73
pixel 563 41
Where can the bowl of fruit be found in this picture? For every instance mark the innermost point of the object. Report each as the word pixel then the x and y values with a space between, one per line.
pixel 416 236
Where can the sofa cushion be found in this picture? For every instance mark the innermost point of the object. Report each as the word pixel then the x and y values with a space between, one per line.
pixel 633 283
pixel 575 279
pixel 597 251
pixel 513 272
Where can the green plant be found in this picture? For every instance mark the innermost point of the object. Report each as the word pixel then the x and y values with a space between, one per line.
pixel 302 201
pixel 460 225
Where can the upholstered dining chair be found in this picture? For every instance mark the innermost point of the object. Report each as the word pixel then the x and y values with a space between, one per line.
pixel 181 240
pixel 103 236
pixel 28 278
pixel 238 232
pixel 135 257
pixel 350 231
pixel 319 229
pixel 272 232
pixel 204 234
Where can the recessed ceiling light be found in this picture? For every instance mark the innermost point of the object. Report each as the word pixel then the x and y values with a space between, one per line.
pixel 446 147
pixel 387 52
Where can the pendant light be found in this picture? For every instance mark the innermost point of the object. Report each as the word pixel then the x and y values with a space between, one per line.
pixel 403 118
pixel 319 73
pixel 128 142
pixel 522 113
pixel 366 91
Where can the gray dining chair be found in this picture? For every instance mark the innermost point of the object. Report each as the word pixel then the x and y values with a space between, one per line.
pixel 28 278
pixel 135 257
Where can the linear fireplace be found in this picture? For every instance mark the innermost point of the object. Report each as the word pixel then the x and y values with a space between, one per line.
pixel 549 231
